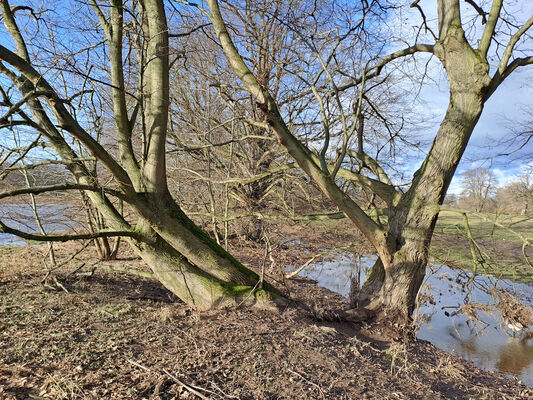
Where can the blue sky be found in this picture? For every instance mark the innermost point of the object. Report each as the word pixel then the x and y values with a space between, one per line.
pixel 505 105
pixel 503 112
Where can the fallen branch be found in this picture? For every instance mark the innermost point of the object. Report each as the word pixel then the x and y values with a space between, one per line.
pixel 307 380
pixel 116 268
pixel 323 253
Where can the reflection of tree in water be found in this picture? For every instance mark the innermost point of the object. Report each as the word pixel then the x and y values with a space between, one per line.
pixel 470 345
pixel 516 355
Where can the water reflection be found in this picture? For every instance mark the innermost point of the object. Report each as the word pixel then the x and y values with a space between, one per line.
pixel 481 340
pixel 516 355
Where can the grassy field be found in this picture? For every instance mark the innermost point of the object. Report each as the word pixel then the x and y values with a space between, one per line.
pixel 499 244
pixel 498 239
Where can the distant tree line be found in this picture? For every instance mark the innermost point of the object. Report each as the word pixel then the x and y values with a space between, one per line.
pixel 481 193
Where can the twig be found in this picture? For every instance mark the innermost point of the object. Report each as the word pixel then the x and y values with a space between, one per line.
pixel 59 284
pixel 131 271
pixel 188 387
pixel 192 389
pixel 307 380
pixel 138 365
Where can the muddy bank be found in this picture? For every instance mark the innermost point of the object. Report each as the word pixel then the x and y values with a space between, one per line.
pixel 111 336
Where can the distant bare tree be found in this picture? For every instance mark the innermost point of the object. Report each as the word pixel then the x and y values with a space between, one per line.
pixel 479 184
pixel 517 197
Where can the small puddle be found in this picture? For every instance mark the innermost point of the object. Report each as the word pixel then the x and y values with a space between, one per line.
pixel 485 342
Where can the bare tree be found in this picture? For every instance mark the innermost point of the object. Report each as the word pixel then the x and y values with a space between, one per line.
pixel 402 244
pixel 220 138
pixel 479 184
pixel 120 58
pixel 517 197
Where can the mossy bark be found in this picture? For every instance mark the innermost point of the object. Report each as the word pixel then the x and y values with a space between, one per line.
pixel 192 265
pixel 196 287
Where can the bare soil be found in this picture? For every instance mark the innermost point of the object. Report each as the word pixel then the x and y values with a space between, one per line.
pixel 114 336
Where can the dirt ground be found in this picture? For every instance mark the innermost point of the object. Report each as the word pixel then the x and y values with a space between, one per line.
pixel 76 335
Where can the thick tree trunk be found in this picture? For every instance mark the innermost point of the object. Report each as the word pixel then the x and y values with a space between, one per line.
pixel 192 265
pixel 392 291
pixel 196 287
pixel 394 282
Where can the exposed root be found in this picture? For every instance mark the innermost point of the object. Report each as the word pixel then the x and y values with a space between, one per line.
pixel 360 314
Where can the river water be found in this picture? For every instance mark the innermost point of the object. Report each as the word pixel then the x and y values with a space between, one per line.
pixel 487 342
pixel 54 218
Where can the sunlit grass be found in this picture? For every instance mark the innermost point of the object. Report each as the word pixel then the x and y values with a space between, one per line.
pixel 500 248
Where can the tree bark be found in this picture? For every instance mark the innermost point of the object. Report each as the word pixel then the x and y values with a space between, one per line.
pixel 183 257
pixel 198 288
pixel 394 281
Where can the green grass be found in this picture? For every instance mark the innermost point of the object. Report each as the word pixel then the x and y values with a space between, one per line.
pixel 452 223
pixel 500 249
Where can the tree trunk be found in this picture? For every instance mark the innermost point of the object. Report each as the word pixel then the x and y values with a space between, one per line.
pixel 196 287
pixel 394 281
pixel 182 256
pixel 192 265
pixel 391 291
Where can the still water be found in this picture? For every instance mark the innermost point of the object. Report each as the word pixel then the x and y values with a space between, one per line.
pixel 487 343
pixel 54 218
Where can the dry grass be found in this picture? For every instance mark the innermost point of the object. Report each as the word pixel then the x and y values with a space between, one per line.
pixel 513 311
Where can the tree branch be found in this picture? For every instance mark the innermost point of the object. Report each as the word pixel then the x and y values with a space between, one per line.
pixel 480 11
pixel 65 119
pixel 302 155
pixel 65 238
pixel 376 68
pixel 259 215
pixel 244 181
pixel 499 78
pixel 488 32
pixel 61 187
pixel 510 46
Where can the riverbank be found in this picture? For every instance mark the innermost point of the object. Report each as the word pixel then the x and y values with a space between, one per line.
pixel 498 246
pixel 106 335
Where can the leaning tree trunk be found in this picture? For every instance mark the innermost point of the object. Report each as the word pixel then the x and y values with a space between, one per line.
pixel 192 265
pixel 182 257
pixel 198 288
pixel 394 281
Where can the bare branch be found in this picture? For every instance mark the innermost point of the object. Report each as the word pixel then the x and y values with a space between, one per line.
pixel 246 137
pixel 488 32
pixel 374 70
pixel 415 4
pixel 479 10
pixel 303 156
pixel 65 238
pixel 510 46
pixel 499 78
pixel 245 181
pixel 259 215
pixel 56 188
pixel 65 119
pixel 189 32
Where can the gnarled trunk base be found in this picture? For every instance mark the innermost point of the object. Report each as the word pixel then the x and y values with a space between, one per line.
pixel 391 292
pixel 199 289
